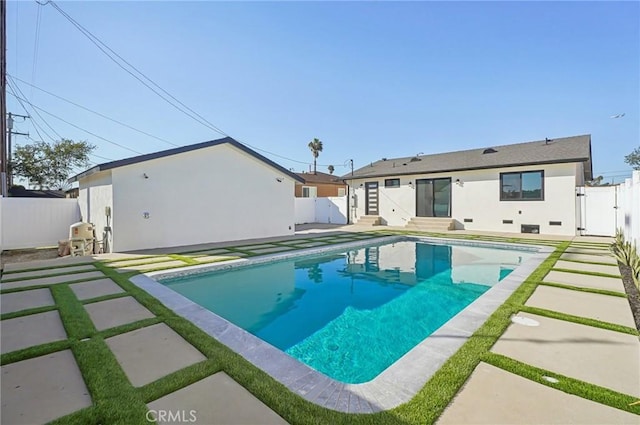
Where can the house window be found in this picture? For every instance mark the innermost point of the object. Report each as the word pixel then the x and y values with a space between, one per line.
pixel 309 192
pixel 342 191
pixel 523 186
pixel 392 183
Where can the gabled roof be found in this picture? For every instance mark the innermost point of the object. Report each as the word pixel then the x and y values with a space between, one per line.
pixel 319 177
pixel 549 151
pixel 182 149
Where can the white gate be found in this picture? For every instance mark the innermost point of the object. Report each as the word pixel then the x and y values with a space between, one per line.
pixel 598 210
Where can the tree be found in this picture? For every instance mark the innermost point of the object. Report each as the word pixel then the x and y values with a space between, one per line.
pixel 316 148
pixel 331 169
pixel 49 165
pixel 633 159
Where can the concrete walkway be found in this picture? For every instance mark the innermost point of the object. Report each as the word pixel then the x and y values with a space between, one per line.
pixel 42 388
pixel 49 384
pixel 595 355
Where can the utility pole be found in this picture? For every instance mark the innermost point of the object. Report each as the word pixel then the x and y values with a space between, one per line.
pixel 9 133
pixel 3 96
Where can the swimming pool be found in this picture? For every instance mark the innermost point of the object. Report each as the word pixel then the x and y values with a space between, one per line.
pixel 350 314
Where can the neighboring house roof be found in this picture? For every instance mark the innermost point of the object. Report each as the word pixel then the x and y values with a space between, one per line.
pixel 20 192
pixel 182 149
pixel 549 151
pixel 320 178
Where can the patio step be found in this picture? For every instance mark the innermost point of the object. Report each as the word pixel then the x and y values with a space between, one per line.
pixel 369 220
pixel 431 224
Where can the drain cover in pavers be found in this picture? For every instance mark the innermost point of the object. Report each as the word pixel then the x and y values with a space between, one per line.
pixel 217 399
pixel 41 389
pixel 494 396
pixel 150 353
pixel 119 311
pixel 602 357
pixel 31 330
pixel 124 263
pixel 95 289
pixel 584 267
pixel 51 280
pixel 151 266
pixel 585 280
pixel 590 258
pixel 25 300
pixel 584 304
pixel 48 272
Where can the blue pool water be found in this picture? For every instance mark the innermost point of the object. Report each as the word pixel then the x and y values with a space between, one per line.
pixel 352 314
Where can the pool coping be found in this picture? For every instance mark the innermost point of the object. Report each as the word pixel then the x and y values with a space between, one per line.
pixel 397 384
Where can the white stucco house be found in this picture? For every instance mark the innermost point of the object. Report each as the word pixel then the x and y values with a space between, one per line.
pixel 524 187
pixel 214 191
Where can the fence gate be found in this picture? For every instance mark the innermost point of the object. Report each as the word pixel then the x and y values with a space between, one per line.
pixel 597 206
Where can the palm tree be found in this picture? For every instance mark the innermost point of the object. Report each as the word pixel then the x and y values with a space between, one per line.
pixel 331 169
pixel 316 148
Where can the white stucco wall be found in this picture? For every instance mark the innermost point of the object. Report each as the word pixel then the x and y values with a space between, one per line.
pixel 477 197
pixel 96 193
pixel 208 195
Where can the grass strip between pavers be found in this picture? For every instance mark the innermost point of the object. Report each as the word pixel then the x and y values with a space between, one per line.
pixel 566 384
pixel 27 312
pixel 580 320
pixel 584 289
pixel 35 351
pixel 48 285
pixel 588 273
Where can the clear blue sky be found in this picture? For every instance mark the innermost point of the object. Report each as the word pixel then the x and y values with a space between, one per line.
pixel 370 79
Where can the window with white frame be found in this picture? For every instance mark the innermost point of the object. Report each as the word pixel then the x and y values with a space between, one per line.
pixel 309 192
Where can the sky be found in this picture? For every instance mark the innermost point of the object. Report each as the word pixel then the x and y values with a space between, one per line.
pixel 369 79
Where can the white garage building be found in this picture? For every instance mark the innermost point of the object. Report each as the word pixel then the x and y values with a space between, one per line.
pixel 208 192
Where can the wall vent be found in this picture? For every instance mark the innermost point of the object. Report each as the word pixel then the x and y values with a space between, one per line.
pixel 555 223
pixel 530 228
pixel 507 221
pixel 468 220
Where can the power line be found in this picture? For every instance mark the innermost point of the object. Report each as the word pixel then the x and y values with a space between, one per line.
pixel 13 93
pixel 95 112
pixel 17 88
pixel 78 127
pixel 110 53
pixel 36 46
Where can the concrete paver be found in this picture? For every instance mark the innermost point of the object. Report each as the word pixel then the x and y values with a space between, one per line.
pixel 48 272
pixel 31 330
pixel 53 263
pixel 270 250
pixel 42 389
pixel 152 266
pixel 119 311
pixel 589 258
pixel 95 289
pixel 601 357
pixel 584 267
pixel 217 399
pixel 24 300
pixel 152 352
pixel 588 251
pixel 595 306
pixel 125 263
pixel 51 280
pixel 494 396
pixel 585 281
pixel 207 258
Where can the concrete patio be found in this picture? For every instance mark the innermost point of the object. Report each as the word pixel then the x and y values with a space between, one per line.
pixel 47 386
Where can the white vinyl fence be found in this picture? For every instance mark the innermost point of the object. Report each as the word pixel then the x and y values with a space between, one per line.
pixel 629 208
pixel 321 210
pixel 35 222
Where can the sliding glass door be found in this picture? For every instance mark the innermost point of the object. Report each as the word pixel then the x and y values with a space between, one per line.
pixel 433 197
